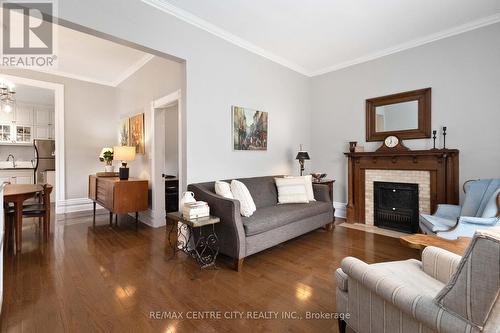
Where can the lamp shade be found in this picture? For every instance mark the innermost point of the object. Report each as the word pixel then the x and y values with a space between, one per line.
pixel 124 153
pixel 302 155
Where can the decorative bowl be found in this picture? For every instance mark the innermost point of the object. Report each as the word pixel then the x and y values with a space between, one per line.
pixel 317 176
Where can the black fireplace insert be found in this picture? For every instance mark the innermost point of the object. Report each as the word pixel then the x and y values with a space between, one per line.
pixel 396 206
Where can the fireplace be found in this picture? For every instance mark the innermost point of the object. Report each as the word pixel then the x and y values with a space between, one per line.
pixel 396 206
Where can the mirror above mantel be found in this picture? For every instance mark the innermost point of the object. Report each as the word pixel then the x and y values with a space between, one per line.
pixel 406 115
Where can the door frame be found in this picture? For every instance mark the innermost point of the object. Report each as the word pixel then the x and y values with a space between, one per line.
pixel 157 182
pixel 58 129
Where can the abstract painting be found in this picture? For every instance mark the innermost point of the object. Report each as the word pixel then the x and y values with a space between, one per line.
pixel 136 133
pixel 249 129
pixel 124 132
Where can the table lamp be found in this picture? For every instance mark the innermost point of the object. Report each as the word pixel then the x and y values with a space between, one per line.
pixel 124 154
pixel 302 156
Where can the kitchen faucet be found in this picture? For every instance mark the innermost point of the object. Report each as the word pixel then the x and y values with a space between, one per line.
pixel 13 160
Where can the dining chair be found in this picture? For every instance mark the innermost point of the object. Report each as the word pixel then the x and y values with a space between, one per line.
pixel 34 209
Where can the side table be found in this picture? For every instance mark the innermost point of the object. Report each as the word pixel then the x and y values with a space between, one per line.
pixel 329 183
pixel 196 238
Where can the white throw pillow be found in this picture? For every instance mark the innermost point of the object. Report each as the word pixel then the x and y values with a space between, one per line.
pixel 291 190
pixel 491 209
pixel 241 193
pixel 223 189
pixel 309 186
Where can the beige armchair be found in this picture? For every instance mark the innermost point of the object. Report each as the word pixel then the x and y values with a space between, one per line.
pixel 444 293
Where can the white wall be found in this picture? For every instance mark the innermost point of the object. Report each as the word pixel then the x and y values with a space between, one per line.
pixel 218 75
pixel 464 73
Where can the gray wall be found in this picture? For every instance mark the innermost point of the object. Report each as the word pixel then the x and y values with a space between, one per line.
pixel 90 123
pixel 464 73
pixel 218 75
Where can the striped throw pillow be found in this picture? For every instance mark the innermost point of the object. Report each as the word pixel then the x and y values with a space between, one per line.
pixel 291 190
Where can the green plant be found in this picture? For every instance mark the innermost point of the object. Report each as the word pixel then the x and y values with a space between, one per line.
pixel 107 157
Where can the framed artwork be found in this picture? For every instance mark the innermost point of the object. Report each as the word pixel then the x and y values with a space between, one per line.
pixel 124 132
pixel 136 133
pixel 249 129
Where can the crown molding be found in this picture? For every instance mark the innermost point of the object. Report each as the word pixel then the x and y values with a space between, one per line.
pixel 132 69
pixel 72 76
pixel 221 33
pixel 414 43
pixel 122 77
pixel 238 41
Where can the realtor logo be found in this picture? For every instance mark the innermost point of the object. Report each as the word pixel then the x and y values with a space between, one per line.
pixel 28 34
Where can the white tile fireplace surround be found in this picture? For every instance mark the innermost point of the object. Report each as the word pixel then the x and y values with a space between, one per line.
pixel 422 178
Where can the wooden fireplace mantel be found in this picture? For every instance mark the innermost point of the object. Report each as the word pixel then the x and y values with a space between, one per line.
pixel 441 163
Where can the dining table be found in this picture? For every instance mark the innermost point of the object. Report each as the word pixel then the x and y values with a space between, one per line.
pixel 17 194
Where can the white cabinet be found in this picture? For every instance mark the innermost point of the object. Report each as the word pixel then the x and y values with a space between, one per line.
pixel 6 118
pixel 24 114
pixel 42 132
pixel 17 176
pixel 44 122
pixel 43 115
pixel 26 123
pixel 23 133
pixel 6 132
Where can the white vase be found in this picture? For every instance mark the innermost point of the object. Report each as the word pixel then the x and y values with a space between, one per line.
pixel 183 233
pixel 109 168
pixel 187 197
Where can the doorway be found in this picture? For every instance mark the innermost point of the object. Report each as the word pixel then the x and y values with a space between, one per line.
pixel 167 169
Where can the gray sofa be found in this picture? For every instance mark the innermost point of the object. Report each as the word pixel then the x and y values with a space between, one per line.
pixel 270 225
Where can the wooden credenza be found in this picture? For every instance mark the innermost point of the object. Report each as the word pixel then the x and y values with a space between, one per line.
pixel 118 196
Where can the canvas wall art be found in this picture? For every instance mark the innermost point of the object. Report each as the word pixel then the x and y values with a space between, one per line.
pixel 250 128
pixel 136 133
pixel 124 132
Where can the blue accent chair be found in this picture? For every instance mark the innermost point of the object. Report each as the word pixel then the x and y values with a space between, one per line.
pixel 479 211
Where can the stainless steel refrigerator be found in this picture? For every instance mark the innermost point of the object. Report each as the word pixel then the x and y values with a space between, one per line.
pixel 45 152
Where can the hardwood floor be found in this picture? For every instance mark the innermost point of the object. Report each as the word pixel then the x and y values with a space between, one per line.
pixel 110 279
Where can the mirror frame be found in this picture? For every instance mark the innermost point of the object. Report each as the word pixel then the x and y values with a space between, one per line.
pixel 423 96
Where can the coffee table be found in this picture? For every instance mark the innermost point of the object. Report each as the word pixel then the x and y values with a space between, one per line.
pixel 421 241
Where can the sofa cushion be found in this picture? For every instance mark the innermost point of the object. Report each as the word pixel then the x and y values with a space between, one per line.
pixel 435 223
pixel 268 218
pixel 262 189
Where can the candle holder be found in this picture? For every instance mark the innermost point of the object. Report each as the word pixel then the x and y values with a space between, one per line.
pixel 434 132
pixel 444 137
pixel 352 146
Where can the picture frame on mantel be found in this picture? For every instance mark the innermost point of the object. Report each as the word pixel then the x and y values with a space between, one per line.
pixel 409 114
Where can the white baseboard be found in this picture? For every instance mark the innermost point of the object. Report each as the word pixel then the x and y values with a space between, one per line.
pixel 85 205
pixel 340 209
pixel 74 205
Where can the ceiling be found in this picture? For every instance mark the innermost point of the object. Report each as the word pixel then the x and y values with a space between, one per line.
pixel 34 95
pixel 317 36
pixel 85 57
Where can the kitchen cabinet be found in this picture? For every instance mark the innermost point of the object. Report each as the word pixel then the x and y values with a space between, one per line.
pixel 23 114
pixel 43 132
pixel 13 176
pixel 6 132
pixel 44 122
pixel 26 123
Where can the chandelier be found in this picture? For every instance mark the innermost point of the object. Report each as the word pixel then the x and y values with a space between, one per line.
pixel 7 97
